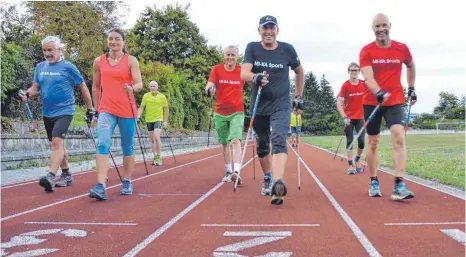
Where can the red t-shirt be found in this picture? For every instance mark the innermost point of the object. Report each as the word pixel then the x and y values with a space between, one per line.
pixel 229 90
pixel 387 64
pixel 353 95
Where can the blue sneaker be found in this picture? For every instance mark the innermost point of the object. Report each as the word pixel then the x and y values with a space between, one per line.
pixel 358 167
pixel 126 188
pixel 351 170
pixel 267 187
pixel 401 192
pixel 374 191
pixel 98 192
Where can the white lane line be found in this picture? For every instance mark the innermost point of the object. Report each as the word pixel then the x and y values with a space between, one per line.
pixel 456 234
pixel 424 223
pixel 257 233
pixel 92 170
pixel 370 249
pixel 260 225
pixel 117 185
pixel 420 181
pixel 166 226
pixel 151 195
pixel 79 223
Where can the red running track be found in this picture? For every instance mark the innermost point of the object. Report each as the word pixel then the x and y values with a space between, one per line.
pixel 184 209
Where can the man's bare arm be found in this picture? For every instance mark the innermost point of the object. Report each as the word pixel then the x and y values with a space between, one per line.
pixel 299 71
pixel 340 101
pixel 368 74
pixel 411 74
pixel 86 95
pixel 33 90
pixel 246 73
pixel 166 111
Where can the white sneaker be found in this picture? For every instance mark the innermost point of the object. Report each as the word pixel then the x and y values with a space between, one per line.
pixel 227 177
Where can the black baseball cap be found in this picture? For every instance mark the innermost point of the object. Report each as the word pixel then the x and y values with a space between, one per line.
pixel 267 19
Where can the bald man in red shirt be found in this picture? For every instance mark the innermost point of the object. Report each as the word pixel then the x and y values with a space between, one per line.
pixel 381 64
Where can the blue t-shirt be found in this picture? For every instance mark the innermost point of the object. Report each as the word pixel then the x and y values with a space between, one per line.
pixel 275 96
pixel 57 82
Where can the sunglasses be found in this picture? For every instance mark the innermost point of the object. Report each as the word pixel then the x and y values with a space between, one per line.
pixel 354 70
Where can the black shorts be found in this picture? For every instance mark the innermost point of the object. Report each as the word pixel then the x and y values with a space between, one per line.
pixel 393 115
pixel 271 128
pixel 154 125
pixel 57 126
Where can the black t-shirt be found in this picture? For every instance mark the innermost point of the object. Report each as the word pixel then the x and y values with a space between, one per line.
pixel 277 63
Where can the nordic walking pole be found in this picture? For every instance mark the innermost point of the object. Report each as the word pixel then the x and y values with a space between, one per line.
pixel 341 138
pixel 31 117
pixel 363 127
pixel 137 129
pixel 298 128
pixel 407 118
pixel 256 103
pixel 93 140
pixel 169 143
pixel 253 154
pixel 210 118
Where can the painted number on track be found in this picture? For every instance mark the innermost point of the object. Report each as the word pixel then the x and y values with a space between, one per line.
pixel 260 238
pixel 32 238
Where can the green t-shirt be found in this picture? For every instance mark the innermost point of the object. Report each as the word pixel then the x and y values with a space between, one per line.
pixel 154 105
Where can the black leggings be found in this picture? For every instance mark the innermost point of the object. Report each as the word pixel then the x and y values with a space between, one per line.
pixel 357 125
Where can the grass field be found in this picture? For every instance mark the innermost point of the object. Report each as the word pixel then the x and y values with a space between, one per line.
pixel 435 157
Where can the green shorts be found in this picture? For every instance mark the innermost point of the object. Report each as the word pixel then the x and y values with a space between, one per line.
pixel 229 127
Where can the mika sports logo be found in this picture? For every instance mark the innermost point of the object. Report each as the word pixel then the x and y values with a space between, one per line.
pixel 232 82
pixel 356 94
pixel 269 65
pixel 385 61
pixel 47 73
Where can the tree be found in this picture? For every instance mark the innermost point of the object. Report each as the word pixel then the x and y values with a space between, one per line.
pixel 81 27
pixel 168 36
pixel 14 28
pixel 450 107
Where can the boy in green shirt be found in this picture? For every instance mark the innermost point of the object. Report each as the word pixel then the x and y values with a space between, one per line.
pixel 156 106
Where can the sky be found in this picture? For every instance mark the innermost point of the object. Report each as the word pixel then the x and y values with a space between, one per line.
pixel 328 35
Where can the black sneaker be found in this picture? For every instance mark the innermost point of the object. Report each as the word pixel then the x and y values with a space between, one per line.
pixel 47 182
pixel 278 192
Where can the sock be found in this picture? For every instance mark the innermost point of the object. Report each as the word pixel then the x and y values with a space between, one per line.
pixel 357 158
pixel 374 178
pixel 228 167
pixel 236 166
pixel 350 163
pixel 268 175
pixel 53 175
pixel 66 171
pixel 398 180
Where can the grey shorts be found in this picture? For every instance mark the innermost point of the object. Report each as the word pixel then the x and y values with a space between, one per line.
pixel 272 129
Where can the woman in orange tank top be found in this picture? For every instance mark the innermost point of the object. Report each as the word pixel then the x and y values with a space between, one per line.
pixel 116 78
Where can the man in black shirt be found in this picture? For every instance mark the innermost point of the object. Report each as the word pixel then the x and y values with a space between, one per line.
pixel 272 118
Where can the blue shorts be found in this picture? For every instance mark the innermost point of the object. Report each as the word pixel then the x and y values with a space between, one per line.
pixel 106 127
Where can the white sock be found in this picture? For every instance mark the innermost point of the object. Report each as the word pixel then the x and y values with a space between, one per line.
pixel 228 167
pixel 237 167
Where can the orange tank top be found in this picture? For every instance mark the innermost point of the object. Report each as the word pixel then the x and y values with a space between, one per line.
pixel 114 98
